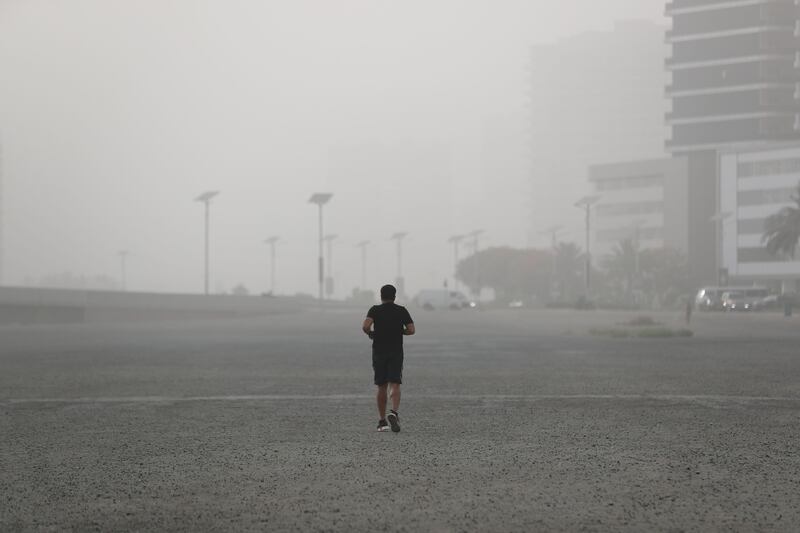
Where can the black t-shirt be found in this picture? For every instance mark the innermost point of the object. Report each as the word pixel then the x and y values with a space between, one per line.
pixel 389 319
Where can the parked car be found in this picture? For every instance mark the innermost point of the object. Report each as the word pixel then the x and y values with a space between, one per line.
pixel 710 298
pixel 431 299
pixel 741 301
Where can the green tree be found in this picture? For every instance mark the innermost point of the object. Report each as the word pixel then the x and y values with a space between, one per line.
pixel 512 273
pixel 782 229
pixel 621 266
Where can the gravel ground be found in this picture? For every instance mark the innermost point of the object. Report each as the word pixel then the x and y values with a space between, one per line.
pixel 512 421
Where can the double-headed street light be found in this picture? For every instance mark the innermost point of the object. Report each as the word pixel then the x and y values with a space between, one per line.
pixel 320 199
pixel 272 241
pixel 586 203
pixel 206 199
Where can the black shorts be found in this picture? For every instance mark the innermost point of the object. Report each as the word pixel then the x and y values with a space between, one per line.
pixel 388 366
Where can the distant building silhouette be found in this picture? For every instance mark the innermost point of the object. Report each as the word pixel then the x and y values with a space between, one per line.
pixel 644 201
pixel 597 97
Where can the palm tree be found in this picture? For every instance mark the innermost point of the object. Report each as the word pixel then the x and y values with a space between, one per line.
pixel 782 229
pixel 621 264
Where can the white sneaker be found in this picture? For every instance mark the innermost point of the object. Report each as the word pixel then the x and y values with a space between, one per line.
pixel 394 421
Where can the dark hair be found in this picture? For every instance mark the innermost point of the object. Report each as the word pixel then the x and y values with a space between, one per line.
pixel 388 292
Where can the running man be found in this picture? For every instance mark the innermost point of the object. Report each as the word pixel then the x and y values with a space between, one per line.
pixel 390 322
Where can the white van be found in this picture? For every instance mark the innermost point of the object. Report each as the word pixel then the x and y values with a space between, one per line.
pixel 442 299
pixel 710 298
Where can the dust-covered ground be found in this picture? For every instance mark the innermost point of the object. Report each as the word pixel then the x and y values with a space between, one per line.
pixel 511 421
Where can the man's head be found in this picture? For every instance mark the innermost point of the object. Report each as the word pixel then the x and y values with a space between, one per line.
pixel 388 293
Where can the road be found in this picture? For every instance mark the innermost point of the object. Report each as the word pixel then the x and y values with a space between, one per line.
pixel 512 421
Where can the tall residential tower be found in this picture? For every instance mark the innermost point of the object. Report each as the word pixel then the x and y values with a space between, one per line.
pixel 735 69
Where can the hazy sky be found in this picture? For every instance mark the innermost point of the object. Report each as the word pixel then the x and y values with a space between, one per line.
pixel 114 115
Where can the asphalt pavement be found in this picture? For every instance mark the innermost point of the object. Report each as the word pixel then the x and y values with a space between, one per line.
pixel 512 420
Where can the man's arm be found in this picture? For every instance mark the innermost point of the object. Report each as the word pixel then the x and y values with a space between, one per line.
pixel 366 327
pixel 408 323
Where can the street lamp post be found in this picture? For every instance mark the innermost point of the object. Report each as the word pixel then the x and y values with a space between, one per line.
pixel 455 240
pixel 637 237
pixel 329 281
pixel 206 199
pixel 400 282
pixel 320 199
pixel 476 267
pixel 272 241
pixel 586 203
pixel 719 219
pixel 363 245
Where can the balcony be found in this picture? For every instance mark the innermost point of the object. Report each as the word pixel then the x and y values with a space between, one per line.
pixel 708 23
pixel 727 77
pixel 676 7
pixel 763 43
pixel 747 102
pixel 712 135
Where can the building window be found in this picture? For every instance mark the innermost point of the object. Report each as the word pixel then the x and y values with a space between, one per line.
pixel 757 255
pixel 638 208
pixel 630 182
pixel 752 169
pixel 766 197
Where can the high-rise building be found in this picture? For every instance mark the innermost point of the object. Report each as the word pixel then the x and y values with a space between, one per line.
pixel 756 183
pixel 643 201
pixel 2 219
pixel 597 97
pixel 735 69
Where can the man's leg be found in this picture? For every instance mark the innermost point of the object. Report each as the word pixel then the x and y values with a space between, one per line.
pixel 393 418
pixel 394 393
pixel 381 398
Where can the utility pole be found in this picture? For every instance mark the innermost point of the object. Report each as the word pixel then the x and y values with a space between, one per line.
pixel 586 203
pixel 400 282
pixel 206 199
pixel 320 199
pixel 329 287
pixel 637 239
pixel 719 219
pixel 272 241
